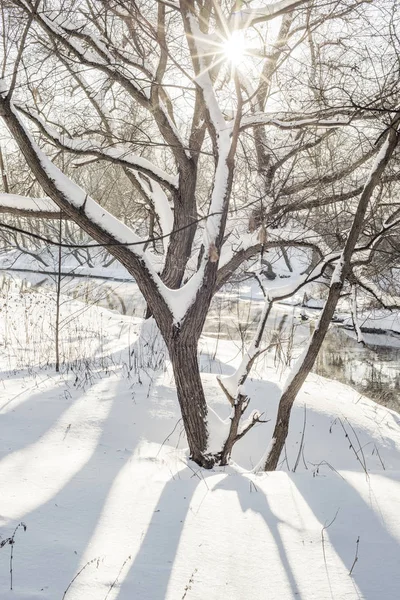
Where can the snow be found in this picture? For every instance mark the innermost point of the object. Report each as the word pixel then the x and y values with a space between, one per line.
pixel 23 203
pixel 161 205
pixel 260 118
pixel 246 17
pixel 380 157
pixel 120 153
pixel 93 461
pixel 177 300
pixel 377 319
pixel 237 241
pixel 203 79
pixel 337 274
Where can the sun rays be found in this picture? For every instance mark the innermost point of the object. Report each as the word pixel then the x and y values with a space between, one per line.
pixel 234 48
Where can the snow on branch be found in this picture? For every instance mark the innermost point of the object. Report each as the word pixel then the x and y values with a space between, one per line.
pixel 99 43
pixel 158 199
pixel 251 16
pixel 266 119
pixel 203 79
pixel 232 384
pixel 23 206
pixel 117 154
pixel 354 315
pixel 214 223
pixel 77 204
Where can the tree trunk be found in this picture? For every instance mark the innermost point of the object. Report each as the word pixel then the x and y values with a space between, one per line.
pixel 3 172
pixel 240 405
pixel 191 398
pixel 306 362
pixel 58 294
pixel 293 386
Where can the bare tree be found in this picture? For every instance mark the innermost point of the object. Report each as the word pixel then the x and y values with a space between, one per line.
pixel 221 118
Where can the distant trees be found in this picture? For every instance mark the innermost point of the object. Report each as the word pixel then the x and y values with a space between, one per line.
pixel 238 130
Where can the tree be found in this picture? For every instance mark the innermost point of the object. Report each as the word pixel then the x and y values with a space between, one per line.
pixel 222 119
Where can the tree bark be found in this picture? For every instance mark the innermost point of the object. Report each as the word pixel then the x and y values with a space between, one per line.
pixel 185 213
pixel 183 355
pixel 233 431
pixel 4 173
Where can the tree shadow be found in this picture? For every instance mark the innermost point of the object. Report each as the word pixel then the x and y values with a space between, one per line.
pixel 74 504
pixel 159 546
pixel 149 577
pixel 78 502
pixel 375 573
pixel 39 412
pixel 253 499
pixel 209 363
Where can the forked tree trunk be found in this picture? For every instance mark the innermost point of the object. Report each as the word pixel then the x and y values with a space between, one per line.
pixel 191 398
pixel 307 360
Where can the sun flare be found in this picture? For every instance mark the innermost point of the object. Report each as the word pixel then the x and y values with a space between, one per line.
pixel 234 48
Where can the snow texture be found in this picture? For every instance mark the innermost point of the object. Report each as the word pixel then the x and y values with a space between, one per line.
pixel 24 203
pixel 99 474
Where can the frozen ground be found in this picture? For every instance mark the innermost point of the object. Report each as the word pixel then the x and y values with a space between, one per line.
pixel 93 462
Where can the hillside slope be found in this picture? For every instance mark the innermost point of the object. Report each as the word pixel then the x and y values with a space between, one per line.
pixel 93 462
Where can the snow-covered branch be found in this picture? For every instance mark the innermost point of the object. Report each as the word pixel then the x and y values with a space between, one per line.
pixel 117 154
pixel 231 384
pixel 159 201
pixel 96 55
pixel 354 315
pixel 251 16
pixel 23 206
pixel 203 79
pixel 95 220
pixel 257 119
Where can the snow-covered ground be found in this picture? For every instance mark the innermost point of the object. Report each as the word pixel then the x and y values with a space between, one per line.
pixel 93 462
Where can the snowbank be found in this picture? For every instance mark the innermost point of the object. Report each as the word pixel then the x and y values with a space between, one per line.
pixel 97 470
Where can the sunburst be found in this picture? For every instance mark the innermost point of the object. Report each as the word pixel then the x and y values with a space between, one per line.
pixel 234 48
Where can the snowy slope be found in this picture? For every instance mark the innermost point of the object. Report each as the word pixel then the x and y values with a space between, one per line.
pixel 93 461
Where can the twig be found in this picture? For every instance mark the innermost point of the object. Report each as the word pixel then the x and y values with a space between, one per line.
pixel 323 538
pixel 356 556
pixel 168 436
pixel 196 474
pixel 89 562
pixel 11 541
pixel 379 456
pixel 286 458
pixel 296 464
pixel 189 584
pixel 351 446
pixel 324 462
pixel 117 577
pixel 252 484
pixel 67 431
pixel 359 444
